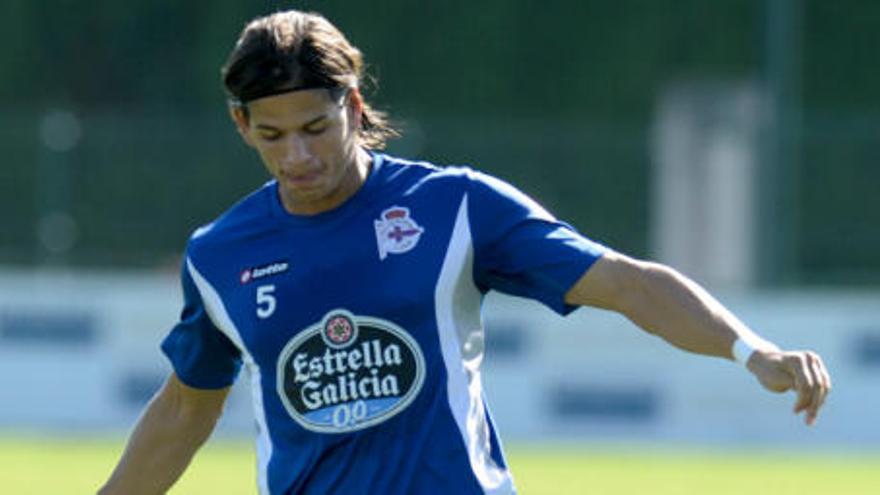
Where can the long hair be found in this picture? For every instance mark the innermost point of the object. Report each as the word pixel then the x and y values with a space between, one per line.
pixel 293 50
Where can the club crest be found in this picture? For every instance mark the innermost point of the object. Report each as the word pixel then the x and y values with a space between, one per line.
pixel 396 231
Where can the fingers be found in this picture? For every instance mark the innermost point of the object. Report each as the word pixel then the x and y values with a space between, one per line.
pixel 812 383
pixel 823 381
pixel 803 380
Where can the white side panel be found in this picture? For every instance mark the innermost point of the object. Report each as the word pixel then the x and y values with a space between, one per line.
pixel 217 311
pixel 457 303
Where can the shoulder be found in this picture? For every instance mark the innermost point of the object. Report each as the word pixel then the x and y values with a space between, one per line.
pixel 241 220
pixel 421 173
pixel 480 187
pixel 490 190
pixel 464 175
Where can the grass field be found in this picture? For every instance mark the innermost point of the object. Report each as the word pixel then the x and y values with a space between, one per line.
pixel 43 467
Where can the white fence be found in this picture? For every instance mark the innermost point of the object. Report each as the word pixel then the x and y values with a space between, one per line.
pixel 81 350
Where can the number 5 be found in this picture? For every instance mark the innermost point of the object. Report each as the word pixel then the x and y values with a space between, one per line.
pixel 265 301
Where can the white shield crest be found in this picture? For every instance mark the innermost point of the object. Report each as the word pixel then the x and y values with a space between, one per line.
pixel 396 231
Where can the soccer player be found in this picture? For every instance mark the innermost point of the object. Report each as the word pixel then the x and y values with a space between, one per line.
pixel 350 285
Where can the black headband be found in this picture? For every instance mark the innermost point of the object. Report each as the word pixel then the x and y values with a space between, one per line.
pixel 248 97
pixel 273 75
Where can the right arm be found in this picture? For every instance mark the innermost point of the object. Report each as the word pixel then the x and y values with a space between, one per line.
pixel 665 303
pixel 177 421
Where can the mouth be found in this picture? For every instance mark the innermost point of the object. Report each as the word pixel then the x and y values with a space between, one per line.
pixel 301 180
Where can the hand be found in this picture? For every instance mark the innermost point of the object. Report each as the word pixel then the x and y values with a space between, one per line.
pixel 802 371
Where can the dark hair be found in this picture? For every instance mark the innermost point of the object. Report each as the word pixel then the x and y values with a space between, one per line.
pixel 292 50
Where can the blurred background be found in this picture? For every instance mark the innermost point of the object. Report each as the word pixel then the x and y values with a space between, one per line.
pixel 735 139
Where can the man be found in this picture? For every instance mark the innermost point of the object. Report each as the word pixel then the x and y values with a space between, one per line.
pixel 350 288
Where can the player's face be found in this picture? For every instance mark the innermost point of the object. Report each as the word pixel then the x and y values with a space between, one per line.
pixel 308 142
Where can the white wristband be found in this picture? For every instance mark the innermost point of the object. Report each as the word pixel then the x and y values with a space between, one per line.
pixel 743 348
pixel 742 351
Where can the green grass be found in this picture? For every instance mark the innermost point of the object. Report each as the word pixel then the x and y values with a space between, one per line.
pixel 683 472
pixel 41 467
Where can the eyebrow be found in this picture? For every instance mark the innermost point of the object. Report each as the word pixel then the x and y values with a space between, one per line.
pixel 267 127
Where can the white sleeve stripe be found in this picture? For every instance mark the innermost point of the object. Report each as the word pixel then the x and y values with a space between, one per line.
pixel 457 306
pixel 214 307
pixel 218 314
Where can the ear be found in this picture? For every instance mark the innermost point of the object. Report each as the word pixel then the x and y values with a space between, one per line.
pixel 242 125
pixel 355 107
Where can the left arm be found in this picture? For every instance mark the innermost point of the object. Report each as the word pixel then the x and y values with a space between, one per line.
pixel 665 303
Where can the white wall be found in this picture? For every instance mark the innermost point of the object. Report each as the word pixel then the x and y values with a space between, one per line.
pixel 591 375
pixel 696 399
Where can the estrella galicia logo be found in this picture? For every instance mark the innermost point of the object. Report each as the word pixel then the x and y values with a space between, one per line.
pixel 349 372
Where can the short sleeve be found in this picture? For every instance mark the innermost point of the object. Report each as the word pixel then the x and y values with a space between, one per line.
pixel 521 249
pixel 201 355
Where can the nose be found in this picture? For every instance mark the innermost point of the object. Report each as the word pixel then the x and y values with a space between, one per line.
pixel 296 152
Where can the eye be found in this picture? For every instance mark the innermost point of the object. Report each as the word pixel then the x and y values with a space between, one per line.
pixel 315 130
pixel 270 136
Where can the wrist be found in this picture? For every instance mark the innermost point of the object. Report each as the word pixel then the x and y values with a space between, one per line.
pixel 745 346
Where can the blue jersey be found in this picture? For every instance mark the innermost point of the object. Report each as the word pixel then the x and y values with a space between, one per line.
pixel 360 327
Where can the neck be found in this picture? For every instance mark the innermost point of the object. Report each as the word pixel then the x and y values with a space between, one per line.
pixel 354 178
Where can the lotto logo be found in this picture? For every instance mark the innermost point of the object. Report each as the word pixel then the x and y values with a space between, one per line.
pixel 250 274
